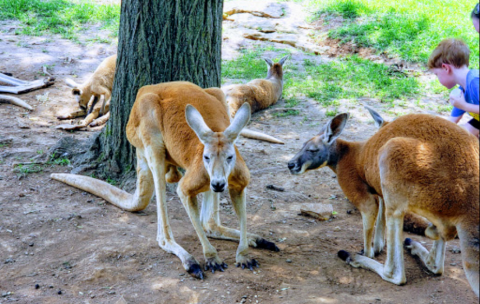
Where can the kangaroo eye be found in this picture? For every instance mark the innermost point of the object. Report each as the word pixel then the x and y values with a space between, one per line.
pixel 230 157
pixel 206 157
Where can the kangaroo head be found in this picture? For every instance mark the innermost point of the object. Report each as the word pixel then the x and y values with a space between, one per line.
pixel 219 154
pixel 317 152
pixel 80 95
pixel 276 69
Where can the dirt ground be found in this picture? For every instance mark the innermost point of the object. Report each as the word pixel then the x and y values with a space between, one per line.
pixel 62 245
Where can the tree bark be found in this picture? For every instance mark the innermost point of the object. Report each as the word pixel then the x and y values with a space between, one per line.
pixel 159 41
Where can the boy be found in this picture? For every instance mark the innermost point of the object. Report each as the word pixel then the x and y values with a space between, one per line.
pixel 449 62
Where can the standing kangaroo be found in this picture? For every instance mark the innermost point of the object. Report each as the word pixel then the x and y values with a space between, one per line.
pixel 258 93
pixel 417 163
pixel 99 84
pixel 168 132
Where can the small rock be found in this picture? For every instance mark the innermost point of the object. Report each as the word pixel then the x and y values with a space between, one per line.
pixel 21 195
pixel 59 292
pixel 9 260
pixel 289 261
pixel 337 229
pixel 31 244
pixel 37 286
pixel 453 264
pixel 182 274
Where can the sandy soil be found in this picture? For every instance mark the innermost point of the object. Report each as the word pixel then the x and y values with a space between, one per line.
pixel 62 245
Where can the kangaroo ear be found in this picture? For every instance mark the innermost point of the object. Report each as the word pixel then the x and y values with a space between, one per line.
pixel 379 121
pixel 283 60
pixel 334 128
pixel 269 62
pixel 76 91
pixel 242 117
pixel 198 125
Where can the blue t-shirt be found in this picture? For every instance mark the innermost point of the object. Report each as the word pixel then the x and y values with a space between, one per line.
pixel 471 93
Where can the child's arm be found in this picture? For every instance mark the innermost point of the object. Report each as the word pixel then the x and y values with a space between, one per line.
pixel 457 99
pixel 455 119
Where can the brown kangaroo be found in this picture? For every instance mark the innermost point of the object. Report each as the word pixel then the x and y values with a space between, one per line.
pixel 417 163
pixel 98 85
pixel 259 93
pixel 168 132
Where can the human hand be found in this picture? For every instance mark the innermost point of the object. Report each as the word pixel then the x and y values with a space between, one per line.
pixel 457 99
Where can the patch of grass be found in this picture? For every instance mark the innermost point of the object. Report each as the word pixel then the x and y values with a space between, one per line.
pixel 331 113
pixel 59 16
pixel 111 181
pixel 409 29
pixel 61 161
pixel 250 65
pixel 286 113
pixel 27 169
pixel 350 78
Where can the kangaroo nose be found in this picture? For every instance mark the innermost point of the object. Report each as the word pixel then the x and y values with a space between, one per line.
pixel 291 165
pixel 218 186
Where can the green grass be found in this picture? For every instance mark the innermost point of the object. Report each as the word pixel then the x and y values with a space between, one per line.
pixel 63 17
pixel 350 78
pixel 27 169
pixel 250 64
pixel 409 29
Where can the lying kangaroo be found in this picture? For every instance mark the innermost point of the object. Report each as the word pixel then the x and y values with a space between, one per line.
pixel 259 93
pixel 417 163
pixel 168 132
pixel 99 84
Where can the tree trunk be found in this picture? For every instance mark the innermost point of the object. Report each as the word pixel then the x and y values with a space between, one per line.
pixel 159 41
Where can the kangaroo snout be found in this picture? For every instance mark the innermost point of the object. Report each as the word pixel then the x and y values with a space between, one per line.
pixel 218 186
pixel 294 167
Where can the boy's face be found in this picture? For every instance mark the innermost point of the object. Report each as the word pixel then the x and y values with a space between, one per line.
pixel 445 76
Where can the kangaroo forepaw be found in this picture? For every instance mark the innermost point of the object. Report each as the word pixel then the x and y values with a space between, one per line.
pixel 349 258
pixel 196 271
pixel 248 263
pixel 213 265
pixel 263 243
pixel 345 255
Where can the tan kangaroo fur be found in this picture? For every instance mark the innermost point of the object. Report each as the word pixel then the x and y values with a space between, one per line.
pixel 168 132
pixel 417 163
pixel 98 85
pixel 258 93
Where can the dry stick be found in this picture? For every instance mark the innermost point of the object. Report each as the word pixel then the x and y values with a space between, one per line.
pixel 20 86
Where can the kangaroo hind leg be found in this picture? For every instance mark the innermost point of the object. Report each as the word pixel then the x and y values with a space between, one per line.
pixel 155 160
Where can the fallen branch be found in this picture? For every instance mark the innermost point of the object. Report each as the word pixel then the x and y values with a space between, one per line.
pixel 21 86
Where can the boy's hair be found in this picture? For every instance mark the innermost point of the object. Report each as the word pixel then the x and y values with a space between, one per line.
pixel 475 13
pixel 450 51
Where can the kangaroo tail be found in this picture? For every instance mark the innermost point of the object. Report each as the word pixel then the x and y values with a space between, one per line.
pixel 15 101
pixel 99 188
pixel 415 224
pixel 260 136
